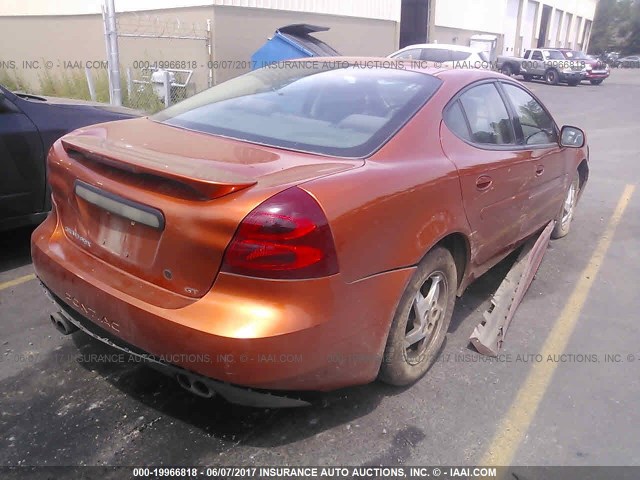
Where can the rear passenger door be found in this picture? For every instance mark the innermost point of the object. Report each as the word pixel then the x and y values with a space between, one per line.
pixel 537 135
pixel 478 136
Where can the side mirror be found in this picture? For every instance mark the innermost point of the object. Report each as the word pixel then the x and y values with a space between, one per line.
pixel 571 137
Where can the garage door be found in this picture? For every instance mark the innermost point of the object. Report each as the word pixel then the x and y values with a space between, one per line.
pixel 528 24
pixel 510 27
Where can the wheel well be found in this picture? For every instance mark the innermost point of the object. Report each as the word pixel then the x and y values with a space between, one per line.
pixel 458 245
pixel 583 173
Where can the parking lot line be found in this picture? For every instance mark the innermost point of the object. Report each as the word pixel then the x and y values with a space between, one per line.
pixel 17 281
pixel 516 422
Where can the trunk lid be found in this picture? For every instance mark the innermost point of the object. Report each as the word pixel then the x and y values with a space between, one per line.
pixel 161 203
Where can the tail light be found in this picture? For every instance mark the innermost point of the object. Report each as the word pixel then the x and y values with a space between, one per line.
pixel 285 237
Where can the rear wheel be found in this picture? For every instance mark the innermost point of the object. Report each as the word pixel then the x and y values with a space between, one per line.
pixel 596 82
pixel 551 77
pixel 573 83
pixel 421 322
pixel 527 77
pixel 564 218
pixel 506 70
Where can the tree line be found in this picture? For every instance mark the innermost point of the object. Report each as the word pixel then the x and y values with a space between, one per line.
pixel 616 27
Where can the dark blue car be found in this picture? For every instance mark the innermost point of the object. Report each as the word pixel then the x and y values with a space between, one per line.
pixel 29 125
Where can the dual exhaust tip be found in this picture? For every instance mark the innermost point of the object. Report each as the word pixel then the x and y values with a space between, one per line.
pixel 188 382
pixel 195 386
pixel 63 325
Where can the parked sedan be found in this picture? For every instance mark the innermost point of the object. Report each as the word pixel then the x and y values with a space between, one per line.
pixel 458 56
pixel 29 125
pixel 302 228
pixel 632 61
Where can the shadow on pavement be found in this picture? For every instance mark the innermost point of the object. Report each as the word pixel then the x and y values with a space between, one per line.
pixel 15 248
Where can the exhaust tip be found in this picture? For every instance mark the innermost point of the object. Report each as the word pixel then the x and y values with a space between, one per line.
pixel 195 386
pixel 63 325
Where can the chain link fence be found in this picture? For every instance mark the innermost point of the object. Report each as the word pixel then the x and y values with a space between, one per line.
pixel 161 60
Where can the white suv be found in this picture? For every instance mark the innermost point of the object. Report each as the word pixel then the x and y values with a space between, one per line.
pixel 448 55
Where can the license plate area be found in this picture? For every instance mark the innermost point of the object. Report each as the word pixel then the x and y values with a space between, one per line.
pixel 118 227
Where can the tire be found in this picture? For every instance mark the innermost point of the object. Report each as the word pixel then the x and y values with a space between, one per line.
pixel 565 216
pixel 527 77
pixel 506 70
pixel 596 82
pixel 551 77
pixel 404 362
pixel 573 83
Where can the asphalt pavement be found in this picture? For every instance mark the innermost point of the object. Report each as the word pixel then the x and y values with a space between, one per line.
pixel 62 402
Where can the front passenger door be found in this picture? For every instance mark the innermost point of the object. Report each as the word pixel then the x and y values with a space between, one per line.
pixel 538 135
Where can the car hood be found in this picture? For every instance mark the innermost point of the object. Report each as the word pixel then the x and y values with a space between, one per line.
pixel 593 62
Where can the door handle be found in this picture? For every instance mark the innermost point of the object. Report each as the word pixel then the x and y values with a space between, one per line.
pixel 483 182
pixel 539 170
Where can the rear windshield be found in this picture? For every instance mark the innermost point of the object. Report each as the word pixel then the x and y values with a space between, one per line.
pixel 347 111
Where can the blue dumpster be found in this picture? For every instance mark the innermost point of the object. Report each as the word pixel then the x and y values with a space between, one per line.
pixel 292 41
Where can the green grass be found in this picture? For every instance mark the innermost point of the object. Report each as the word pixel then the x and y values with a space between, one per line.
pixel 73 84
pixel 14 81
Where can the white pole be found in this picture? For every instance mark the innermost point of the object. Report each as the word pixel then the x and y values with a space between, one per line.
pixel 113 56
pixel 210 59
pixel 92 87
pixel 167 89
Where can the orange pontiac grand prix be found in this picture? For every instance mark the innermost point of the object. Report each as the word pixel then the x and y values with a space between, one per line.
pixel 305 227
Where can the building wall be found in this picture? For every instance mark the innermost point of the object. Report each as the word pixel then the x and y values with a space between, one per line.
pixel 378 9
pixel 518 27
pixel 236 33
pixel 459 36
pixel 472 15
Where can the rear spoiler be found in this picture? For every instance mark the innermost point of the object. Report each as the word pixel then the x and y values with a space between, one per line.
pixel 197 174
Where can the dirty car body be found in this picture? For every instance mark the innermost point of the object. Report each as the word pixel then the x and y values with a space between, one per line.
pixel 264 233
pixel 29 125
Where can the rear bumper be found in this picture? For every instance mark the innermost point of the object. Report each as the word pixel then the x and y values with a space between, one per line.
pixel 231 393
pixel 278 335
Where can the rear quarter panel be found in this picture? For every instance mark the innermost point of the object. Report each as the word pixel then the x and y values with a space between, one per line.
pixel 390 213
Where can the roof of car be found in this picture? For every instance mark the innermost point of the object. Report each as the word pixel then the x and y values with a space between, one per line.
pixel 430 68
pixel 444 46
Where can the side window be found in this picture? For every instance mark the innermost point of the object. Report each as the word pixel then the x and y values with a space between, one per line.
pixel 537 126
pixel 537 55
pixel 487 115
pixel 527 54
pixel 459 56
pixel 413 54
pixel 454 118
pixel 436 55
